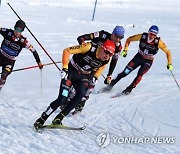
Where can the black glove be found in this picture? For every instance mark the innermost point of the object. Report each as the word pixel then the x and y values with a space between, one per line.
pixel 40 65
pixel 64 73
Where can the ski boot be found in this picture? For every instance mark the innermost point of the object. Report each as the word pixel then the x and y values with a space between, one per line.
pixel 77 109
pixel 40 122
pixel 80 106
pixel 128 90
pixel 57 120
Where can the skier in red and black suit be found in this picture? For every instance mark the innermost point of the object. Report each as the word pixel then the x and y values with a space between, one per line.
pixel 11 46
pixel 149 44
pixel 86 65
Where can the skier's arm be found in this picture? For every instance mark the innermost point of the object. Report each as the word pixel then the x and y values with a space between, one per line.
pixel 112 66
pixel 99 71
pixel 163 47
pixel 94 37
pixel 114 60
pixel 3 31
pixel 130 39
pixel 34 52
pixel 84 37
pixel 74 50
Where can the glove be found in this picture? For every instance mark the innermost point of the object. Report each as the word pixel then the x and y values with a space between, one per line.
pixel 40 65
pixel 82 41
pixel 93 81
pixel 64 73
pixel 108 79
pixel 169 67
pixel 124 53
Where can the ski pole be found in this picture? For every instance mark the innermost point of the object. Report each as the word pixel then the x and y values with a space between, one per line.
pixel 41 81
pixel 103 76
pixel 35 38
pixel 175 79
pixel 30 67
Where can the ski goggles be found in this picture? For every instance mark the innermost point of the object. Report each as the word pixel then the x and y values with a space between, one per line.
pixel 17 29
pixel 152 34
pixel 118 36
pixel 108 53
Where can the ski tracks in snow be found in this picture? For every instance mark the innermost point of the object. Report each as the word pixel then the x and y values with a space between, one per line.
pixel 128 116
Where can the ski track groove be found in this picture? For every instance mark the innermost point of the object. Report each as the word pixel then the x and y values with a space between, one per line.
pixel 108 109
pixel 104 111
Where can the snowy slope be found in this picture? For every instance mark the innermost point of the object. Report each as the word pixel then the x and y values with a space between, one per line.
pixel 151 111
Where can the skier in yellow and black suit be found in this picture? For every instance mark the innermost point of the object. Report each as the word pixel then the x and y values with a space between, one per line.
pixel 148 48
pixel 98 38
pixel 86 65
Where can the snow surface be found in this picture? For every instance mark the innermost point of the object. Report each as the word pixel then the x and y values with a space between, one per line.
pixel 152 110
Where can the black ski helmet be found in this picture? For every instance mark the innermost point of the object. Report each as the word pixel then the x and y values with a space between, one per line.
pixel 20 24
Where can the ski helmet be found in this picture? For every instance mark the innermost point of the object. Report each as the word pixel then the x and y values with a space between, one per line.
pixel 109 45
pixel 20 25
pixel 154 29
pixel 119 32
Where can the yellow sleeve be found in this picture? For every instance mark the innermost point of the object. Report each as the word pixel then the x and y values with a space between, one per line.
pixel 99 71
pixel 74 50
pixel 136 37
pixel 163 47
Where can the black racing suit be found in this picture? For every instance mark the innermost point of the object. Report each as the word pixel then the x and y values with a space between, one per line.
pixel 98 38
pixel 11 46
